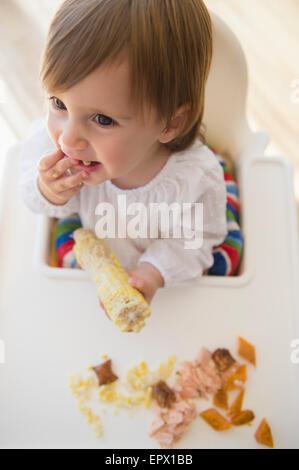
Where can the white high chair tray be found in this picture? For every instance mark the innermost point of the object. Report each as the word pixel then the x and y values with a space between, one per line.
pixel 53 327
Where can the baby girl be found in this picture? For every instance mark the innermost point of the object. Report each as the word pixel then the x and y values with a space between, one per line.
pixel 125 83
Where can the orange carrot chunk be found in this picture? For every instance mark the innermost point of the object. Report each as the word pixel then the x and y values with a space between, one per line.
pixel 237 404
pixel 215 419
pixel 230 384
pixel 263 434
pixel 246 350
pixel 220 399
pixel 240 374
pixel 243 417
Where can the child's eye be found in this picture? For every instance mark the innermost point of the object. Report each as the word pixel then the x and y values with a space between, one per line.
pixel 105 120
pixel 57 103
pixel 102 121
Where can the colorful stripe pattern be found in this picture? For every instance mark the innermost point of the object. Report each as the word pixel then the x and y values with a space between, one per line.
pixel 64 241
pixel 228 255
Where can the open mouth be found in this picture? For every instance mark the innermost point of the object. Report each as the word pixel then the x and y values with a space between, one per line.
pixel 88 166
pixel 85 163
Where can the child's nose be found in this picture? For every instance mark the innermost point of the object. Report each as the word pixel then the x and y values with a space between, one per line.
pixel 71 142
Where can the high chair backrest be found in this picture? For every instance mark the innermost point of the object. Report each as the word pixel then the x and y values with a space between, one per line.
pixel 225 119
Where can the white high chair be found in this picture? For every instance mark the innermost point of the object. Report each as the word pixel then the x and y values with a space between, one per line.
pixel 51 324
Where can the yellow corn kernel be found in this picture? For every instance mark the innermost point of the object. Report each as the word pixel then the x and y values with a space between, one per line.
pixel 87 412
pixel 166 368
pixel 143 366
pixel 89 415
pixel 108 393
pixel 148 397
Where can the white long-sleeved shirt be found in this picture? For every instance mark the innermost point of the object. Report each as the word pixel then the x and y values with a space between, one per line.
pixel 191 176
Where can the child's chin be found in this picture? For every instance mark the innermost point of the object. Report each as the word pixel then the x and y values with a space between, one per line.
pixel 93 180
pixel 89 183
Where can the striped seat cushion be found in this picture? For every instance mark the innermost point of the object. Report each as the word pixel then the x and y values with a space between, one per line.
pixel 228 255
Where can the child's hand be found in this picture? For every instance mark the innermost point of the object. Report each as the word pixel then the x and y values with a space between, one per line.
pixel 147 279
pixel 54 182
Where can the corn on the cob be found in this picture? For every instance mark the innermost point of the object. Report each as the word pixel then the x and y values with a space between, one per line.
pixel 125 305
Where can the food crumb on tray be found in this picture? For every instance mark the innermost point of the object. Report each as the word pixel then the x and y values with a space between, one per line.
pixel 212 376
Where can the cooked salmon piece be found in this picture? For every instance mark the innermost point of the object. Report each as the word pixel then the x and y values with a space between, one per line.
pixel 198 379
pixel 170 424
pixel 174 417
pixel 206 363
pixel 205 358
pixel 157 424
pixel 165 439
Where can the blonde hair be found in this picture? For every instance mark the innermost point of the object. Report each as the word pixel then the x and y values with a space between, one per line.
pixel 168 44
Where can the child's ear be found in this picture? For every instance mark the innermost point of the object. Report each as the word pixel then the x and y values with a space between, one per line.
pixel 174 127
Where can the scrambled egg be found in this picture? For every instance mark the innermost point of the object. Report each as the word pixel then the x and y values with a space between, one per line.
pixel 139 381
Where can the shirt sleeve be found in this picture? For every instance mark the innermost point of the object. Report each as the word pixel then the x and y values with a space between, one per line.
pixel 32 149
pixel 183 260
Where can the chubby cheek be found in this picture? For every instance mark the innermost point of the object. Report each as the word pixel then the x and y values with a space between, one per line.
pixel 118 159
pixel 52 127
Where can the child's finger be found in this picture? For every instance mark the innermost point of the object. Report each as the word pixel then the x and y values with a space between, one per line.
pixel 140 285
pixel 61 167
pixel 136 282
pixel 49 159
pixel 65 183
pixel 66 195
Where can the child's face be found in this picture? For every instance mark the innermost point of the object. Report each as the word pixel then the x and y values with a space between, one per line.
pixel 94 121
